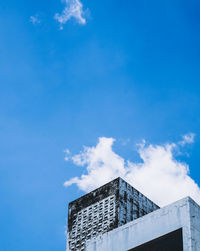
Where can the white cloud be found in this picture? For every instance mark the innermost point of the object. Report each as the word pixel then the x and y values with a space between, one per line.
pixel 159 175
pixel 187 139
pixel 124 142
pixel 35 19
pixel 73 9
pixel 102 165
pixel 67 154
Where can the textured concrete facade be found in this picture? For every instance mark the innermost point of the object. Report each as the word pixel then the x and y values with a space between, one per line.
pixel 132 204
pixel 183 214
pixel 103 210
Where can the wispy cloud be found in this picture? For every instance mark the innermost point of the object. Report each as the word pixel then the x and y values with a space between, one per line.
pixel 35 19
pixel 73 9
pixel 67 154
pixel 187 139
pixel 159 175
pixel 124 142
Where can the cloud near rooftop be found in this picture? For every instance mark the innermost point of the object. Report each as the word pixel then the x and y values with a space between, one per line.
pixel 159 175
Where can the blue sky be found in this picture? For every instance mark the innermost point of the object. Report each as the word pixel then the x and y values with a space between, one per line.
pixel 131 72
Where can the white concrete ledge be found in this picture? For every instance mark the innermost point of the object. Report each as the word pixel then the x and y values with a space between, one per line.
pixel 183 214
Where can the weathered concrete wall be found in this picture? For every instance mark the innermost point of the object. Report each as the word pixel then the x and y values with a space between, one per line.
pixel 195 226
pixel 90 199
pixel 93 214
pixel 103 210
pixel 132 204
pixel 183 214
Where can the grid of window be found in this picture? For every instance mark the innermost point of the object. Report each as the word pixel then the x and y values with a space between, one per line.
pixel 90 222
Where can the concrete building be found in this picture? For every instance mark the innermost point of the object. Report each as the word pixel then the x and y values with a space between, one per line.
pixel 172 228
pixel 103 210
pixel 116 217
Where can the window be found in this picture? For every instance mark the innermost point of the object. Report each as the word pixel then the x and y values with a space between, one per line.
pixel 169 242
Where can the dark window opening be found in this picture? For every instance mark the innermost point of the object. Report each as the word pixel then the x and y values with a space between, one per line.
pixel 169 242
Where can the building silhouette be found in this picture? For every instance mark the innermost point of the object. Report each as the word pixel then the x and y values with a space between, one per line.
pixel 117 217
pixel 104 209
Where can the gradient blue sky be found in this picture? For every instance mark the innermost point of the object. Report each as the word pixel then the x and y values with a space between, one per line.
pixel 132 72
